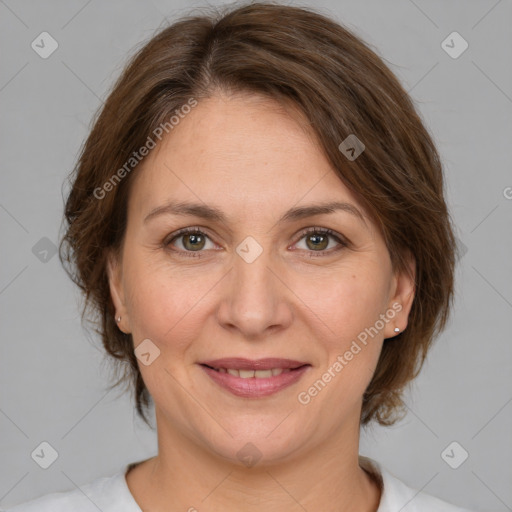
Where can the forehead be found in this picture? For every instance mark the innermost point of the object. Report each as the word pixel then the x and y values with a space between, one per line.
pixel 242 152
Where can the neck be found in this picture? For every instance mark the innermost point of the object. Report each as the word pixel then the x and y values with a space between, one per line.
pixel 327 477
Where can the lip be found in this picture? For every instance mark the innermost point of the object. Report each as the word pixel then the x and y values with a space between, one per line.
pixel 255 387
pixel 240 363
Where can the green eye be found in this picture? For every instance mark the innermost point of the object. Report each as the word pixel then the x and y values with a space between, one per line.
pixel 317 240
pixel 193 241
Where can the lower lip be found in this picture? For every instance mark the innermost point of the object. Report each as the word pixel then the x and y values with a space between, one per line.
pixel 254 387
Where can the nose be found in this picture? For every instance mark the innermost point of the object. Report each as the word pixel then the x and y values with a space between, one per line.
pixel 255 300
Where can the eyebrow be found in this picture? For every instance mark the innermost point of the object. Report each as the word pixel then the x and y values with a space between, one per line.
pixel 214 214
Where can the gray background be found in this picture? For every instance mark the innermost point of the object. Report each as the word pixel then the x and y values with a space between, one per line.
pixel 53 381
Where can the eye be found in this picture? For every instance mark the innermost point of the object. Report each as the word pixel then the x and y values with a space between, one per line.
pixel 317 241
pixel 190 240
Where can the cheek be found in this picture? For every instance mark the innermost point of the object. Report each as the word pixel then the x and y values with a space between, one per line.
pixel 349 307
pixel 361 300
pixel 345 302
pixel 163 302
pixel 165 307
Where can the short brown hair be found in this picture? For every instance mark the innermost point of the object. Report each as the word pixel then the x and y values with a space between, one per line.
pixel 342 87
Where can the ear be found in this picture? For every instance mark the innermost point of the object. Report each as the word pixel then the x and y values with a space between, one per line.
pixel 402 296
pixel 115 280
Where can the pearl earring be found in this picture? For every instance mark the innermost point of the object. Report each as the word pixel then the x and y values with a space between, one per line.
pixel 397 329
pixel 118 319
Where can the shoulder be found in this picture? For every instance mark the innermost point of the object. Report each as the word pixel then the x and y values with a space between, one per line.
pixel 396 495
pixel 56 502
pixel 413 500
pixel 109 494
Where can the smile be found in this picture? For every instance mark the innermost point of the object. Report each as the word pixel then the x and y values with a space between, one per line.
pixel 257 374
pixel 254 378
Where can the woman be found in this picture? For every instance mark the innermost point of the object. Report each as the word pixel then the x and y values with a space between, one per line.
pixel 258 219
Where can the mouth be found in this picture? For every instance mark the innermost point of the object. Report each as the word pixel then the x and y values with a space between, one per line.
pixel 248 374
pixel 254 378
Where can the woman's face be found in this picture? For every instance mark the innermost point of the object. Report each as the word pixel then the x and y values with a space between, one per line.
pixel 251 284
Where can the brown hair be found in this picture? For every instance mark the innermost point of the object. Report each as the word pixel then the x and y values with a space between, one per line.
pixel 342 87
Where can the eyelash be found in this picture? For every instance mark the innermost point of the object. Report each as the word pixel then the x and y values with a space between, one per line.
pixel 308 231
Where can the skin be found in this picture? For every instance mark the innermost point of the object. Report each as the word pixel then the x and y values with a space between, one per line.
pixel 252 159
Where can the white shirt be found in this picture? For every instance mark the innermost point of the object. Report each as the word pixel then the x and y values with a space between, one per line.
pixel 111 494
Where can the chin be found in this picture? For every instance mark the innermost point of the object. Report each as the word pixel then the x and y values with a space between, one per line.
pixel 265 443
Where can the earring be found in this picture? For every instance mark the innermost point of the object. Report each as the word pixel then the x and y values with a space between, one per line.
pixel 118 319
pixel 397 329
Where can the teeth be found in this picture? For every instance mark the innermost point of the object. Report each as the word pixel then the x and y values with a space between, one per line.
pixel 258 374
pixel 263 374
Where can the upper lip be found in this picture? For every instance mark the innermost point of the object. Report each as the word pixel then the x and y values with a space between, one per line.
pixel 240 363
